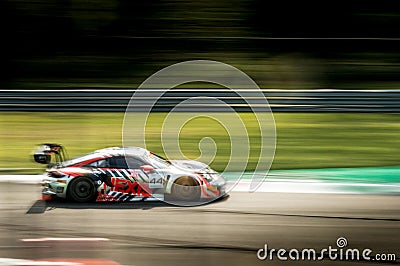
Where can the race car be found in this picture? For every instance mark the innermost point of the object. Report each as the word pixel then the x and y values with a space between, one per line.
pixel 125 174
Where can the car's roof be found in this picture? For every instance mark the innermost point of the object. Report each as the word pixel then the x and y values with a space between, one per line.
pixel 115 151
pixel 110 152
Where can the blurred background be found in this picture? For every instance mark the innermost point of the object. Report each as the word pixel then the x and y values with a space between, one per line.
pixel 330 71
pixel 48 43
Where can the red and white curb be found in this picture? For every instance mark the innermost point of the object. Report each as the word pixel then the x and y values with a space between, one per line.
pixel 62 241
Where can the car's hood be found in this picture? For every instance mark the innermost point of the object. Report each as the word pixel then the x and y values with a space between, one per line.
pixel 192 166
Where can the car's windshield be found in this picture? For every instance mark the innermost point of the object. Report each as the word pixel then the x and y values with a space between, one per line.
pixel 158 161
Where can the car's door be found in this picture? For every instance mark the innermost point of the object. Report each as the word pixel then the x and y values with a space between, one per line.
pixel 123 179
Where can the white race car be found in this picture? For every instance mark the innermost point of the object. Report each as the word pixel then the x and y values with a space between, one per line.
pixel 126 174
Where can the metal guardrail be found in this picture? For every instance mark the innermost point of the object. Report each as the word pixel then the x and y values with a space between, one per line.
pixel 116 100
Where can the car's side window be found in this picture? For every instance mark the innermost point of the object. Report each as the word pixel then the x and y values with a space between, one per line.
pixel 134 163
pixel 117 162
pixel 100 163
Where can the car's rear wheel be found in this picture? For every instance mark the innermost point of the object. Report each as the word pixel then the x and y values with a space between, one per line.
pixel 82 189
pixel 186 188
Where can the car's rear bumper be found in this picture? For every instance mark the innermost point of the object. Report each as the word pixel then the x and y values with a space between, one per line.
pixel 48 195
pixel 53 189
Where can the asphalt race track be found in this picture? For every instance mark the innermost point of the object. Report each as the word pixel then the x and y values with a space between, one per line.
pixel 227 232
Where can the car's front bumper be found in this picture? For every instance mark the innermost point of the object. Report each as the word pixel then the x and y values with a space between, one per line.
pixel 216 188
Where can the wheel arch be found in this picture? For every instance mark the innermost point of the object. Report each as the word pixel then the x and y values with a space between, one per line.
pixel 173 179
pixel 91 177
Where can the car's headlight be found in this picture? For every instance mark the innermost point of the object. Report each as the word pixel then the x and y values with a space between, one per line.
pixel 210 177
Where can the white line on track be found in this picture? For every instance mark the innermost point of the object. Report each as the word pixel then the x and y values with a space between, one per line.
pixel 9 261
pixel 65 239
pixel 28 179
pixel 272 185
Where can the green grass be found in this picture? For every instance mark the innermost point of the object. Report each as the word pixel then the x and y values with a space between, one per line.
pixel 304 140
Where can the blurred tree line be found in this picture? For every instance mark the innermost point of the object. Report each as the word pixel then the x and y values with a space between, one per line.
pixel 49 43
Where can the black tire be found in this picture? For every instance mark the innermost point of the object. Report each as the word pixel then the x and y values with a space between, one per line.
pixel 185 189
pixel 82 189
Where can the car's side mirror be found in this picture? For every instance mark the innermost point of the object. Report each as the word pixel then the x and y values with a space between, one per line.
pixel 147 168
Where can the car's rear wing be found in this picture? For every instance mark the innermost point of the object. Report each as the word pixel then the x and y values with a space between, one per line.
pixel 44 153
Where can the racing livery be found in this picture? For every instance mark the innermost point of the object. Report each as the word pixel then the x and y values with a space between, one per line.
pixel 125 174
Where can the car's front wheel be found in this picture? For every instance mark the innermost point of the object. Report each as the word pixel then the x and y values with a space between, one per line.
pixel 186 188
pixel 82 189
